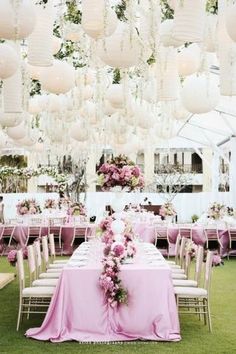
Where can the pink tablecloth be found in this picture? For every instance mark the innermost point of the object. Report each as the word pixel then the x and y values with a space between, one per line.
pixel 78 310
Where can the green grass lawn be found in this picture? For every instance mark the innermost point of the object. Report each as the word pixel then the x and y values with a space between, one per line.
pixel 195 336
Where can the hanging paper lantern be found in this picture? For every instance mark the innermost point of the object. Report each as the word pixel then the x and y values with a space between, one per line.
pixel 10 119
pixel 40 42
pixel 88 111
pixel 34 105
pixel 12 93
pixel 122 49
pixel 188 60
pixel 230 21
pixel 79 131
pixel 60 78
pixel 56 44
pixel 178 111
pixel 117 226
pixel 166 34
pixel 144 117
pixel 97 20
pixel 108 108
pixel 17 19
pixel 189 20
pixel 200 94
pixel 73 32
pixel 167 75
pixel 34 71
pixel 18 132
pixel 116 95
pixel 9 61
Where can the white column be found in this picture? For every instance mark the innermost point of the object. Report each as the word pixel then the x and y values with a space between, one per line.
pixel 215 176
pixel 33 181
pixel 206 167
pixel 232 172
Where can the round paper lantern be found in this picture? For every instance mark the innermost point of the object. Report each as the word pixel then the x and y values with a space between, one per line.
pixel 34 71
pixel 117 205
pixel 34 105
pixel 10 119
pixel 97 20
pixel 189 20
pixel 40 42
pixel 108 108
pixel 230 21
pixel 55 103
pixel 60 78
pixel 18 132
pixel 72 32
pixel 179 112
pixel 166 34
pixel 79 131
pixel 88 111
pixel 122 50
pixel 116 95
pixel 9 61
pixel 167 75
pixel 12 93
pixel 117 226
pixel 17 20
pixel 188 60
pixel 144 117
pixel 56 44
pixel 200 94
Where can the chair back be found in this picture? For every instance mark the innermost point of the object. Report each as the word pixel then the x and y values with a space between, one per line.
pixel 31 263
pixel 211 234
pixel 198 264
pixel 52 246
pixel 38 257
pixel 57 221
pixel 187 263
pixel 182 251
pixel 20 270
pixel 186 232
pixel 232 236
pixel 208 270
pixel 79 232
pixel 45 251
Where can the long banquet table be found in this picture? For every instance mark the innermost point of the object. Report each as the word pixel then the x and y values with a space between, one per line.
pixel 79 311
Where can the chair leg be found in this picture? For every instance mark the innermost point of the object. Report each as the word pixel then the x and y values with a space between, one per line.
pixel 19 315
pixel 209 316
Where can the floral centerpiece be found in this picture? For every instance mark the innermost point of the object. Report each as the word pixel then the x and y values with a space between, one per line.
pixel 120 172
pixel 167 209
pixel 12 256
pixel 28 206
pixel 77 209
pixel 191 248
pixel 216 211
pixel 115 252
pixel 50 204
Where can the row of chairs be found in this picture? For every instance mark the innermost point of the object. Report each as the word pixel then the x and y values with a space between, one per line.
pixel 44 272
pixel 189 294
pixel 210 235
pixel 7 234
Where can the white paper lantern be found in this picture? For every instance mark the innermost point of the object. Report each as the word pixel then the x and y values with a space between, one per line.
pixel 97 20
pixel 79 131
pixel 230 21
pixel 108 108
pixel 54 104
pixel 188 60
pixel 122 50
pixel 34 105
pixel 144 117
pixel 34 71
pixel 189 20
pixel 200 94
pixel 167 75
pixel 9 61
pixel 17 19
pixel 117 204
pixel 73 32
pixel 166 34
pixel 60 78
pixel 88 111
pixel 56 44
pixel 118 226
pixel 18 132
pixel 178 111
pixel 40 42
pixel 116 96
pixel 10 119
pixel 12 93
pixel 227 59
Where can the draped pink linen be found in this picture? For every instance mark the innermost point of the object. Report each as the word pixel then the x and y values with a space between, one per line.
pixel 78 310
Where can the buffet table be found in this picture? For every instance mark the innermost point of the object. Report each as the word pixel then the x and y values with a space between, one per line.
pixel 79 311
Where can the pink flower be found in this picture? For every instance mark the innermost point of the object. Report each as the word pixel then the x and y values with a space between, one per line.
pixel 136 171
pixel 118 249
pixel 12 257
pixel 104 168
pixel 216 260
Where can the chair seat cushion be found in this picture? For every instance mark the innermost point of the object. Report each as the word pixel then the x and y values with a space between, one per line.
pixel 171 262
pixel 49 275
pixel 177 270
pixel 54 270
pixel 184 282
pixel 61 262
pixel 178 276
pixel 56 266
pixel 38 291
pixel 174 266
pixel 45 282
pixel 190 292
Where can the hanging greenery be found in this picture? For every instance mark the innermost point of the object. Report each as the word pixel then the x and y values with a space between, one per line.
pixel 212 6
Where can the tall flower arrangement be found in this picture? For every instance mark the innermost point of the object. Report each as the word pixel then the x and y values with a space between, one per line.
pixel 77 209
pixel 216 211
pixel 28 206
pixel 50 204
pixel 122 172
pixel 167 209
